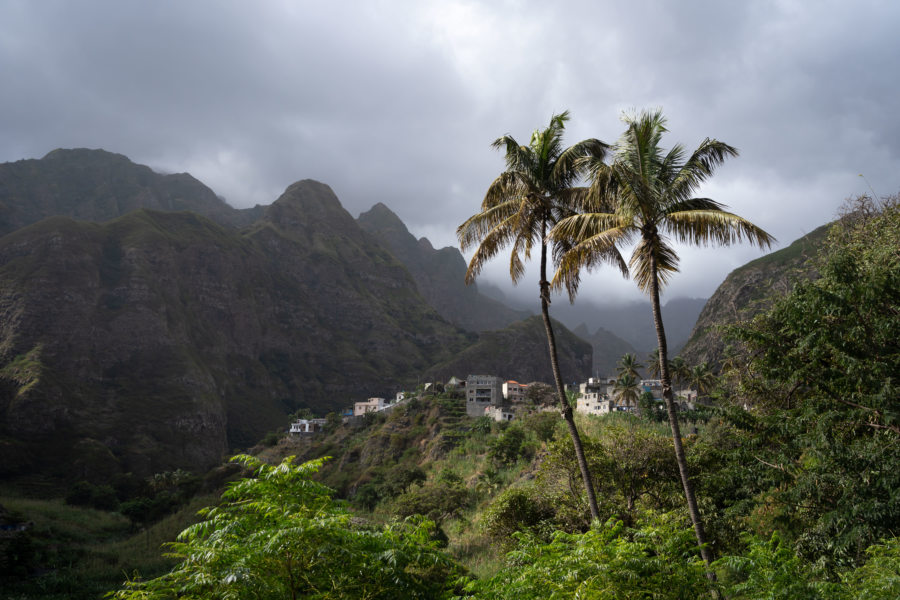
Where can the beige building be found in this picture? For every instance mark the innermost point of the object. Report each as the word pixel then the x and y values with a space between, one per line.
pixel 370 405
pixel 594 397
pixel 513 391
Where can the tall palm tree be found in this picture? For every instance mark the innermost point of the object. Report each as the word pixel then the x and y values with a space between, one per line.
pixel 629 365
pixel 652 192
pixel 521 205
pixel 626 390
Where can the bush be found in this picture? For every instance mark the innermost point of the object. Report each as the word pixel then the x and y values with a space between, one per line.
pixel 436 501
pixel 280 535
pixel 516 509
pixel 508 447
pixel 609 561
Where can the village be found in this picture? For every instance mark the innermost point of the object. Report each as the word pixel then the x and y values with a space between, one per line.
pixel 503 400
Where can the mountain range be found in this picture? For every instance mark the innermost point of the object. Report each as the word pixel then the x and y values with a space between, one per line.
pixel 138 339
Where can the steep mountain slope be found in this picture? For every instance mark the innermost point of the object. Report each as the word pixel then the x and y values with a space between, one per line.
pixel 747 291
pixel 520 352
pixel 608 349
pixel 439 274
pixel 161 340
pixel 95 185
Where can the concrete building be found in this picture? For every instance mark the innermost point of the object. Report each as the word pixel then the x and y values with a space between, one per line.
pixel 307 426
pixel 370 405
pixel 482 391
pixel 498 413
pixel 594 396
pixel 513 391
pixel 654 386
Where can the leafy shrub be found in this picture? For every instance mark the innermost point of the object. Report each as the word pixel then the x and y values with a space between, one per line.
pixel 543 424
pixel 511 445
pixel 516 509
pixel 280 535
pixel 436 501
pixel 101 497
pixel 608 561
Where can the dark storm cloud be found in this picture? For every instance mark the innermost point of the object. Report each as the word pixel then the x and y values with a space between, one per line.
pixel 398 101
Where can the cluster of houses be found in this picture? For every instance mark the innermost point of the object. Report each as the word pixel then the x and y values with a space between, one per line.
pixel 499 399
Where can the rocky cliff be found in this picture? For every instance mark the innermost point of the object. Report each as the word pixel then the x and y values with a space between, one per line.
pixel 749 290
pixel 95 185
pixel 158 340
pixel 439 274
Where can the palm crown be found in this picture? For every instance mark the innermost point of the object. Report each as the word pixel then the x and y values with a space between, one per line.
pixel 534 192
pixel 651 192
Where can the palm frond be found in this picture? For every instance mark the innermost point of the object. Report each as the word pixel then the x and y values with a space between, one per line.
pixel 477 227
pixel 699 167
pixel 703 227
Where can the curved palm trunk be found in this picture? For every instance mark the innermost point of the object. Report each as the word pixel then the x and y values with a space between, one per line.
pixel 673 416
pixel 560 390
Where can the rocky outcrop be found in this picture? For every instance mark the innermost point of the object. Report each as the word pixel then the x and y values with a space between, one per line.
pixel 162 340
pixel 749 290
pixel 439 274
pixel 95 185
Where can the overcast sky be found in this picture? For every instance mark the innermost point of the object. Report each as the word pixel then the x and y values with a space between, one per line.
pixel 398 102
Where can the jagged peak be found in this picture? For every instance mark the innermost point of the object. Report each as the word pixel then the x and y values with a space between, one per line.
pixel 309 201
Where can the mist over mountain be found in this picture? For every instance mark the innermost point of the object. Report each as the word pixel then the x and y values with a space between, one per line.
pixel 631 322
pixel 96 185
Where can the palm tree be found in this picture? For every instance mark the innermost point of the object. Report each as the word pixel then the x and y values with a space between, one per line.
pixel 651 190
pixel 701 378
pixel 653 364
pixel 626 390
pixel 521 205
pixel 678 369
pixel 629 365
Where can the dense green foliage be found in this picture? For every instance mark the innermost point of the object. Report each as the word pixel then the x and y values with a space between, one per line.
pixel 279 534
pixel 822 384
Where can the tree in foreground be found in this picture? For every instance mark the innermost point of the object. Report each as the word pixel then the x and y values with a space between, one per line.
pixel 280 535
pixel 651 191
pixel 822 384
pixel 536 190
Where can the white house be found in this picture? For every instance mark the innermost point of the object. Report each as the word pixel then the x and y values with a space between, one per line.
pixel 307 425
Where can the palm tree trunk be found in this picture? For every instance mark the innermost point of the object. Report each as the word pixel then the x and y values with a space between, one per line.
pixel 673 417
pixel 560 390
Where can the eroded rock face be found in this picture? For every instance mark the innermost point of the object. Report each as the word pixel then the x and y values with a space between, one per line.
pixel 749 290
pixel 162 340
pixel 439 274
pixel 170 340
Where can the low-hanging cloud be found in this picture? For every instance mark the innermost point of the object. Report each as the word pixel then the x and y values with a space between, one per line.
pixel 397 102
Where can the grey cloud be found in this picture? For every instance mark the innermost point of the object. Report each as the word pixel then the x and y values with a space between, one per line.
pixel 398 101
